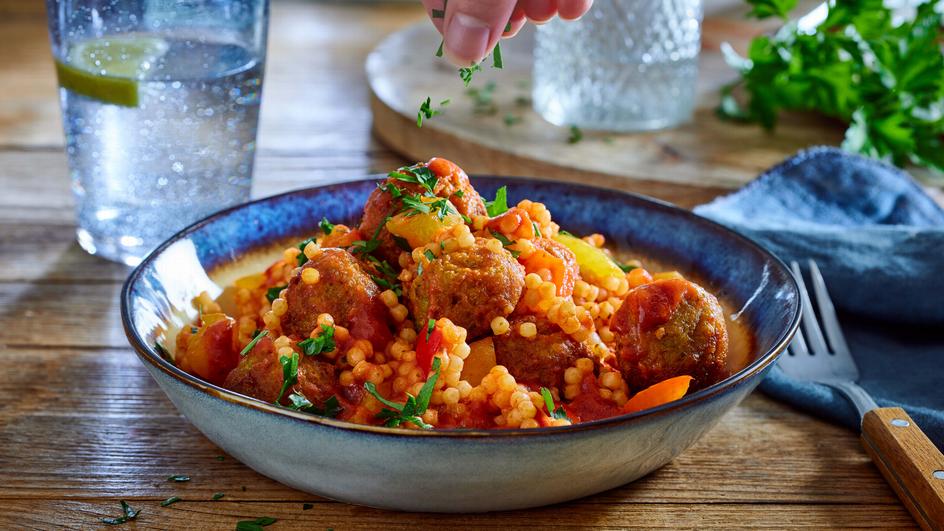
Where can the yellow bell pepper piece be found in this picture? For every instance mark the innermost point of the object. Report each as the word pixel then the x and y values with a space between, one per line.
pixel 595 265
pixel 420 229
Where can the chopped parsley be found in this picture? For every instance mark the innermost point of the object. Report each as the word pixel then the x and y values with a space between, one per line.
pixel 273 292
pixel 439 51
pixel 217 495
pixel 331 407
pixel 511 119
pixel 466 74
pixel 221 457
pixel 500 204
pixel 537 229
pixel 255 525
pixel 482 99
pixel 426 111
pixel 438 13
pixel 576 135
pixel 252 343
pixel 388 276
pixel 497 54
pixel 414 407
pixel 301 247
pixel 369 246
pixel 506 242
pixel 289 373
pixel 430 325
pixel 558 413
pixel 402 243
pixel 429 255
pixel 318 345
pixel 170 501
pixel 625 267
pixel 128 514
pixel 416 174
pixel 307 506
pixel 326 226
pixel 179 478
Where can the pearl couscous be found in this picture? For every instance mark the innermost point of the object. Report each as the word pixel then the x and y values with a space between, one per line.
pixel 441 310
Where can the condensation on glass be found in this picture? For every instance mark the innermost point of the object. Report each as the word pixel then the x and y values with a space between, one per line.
pixel 160 105
pixel 627 65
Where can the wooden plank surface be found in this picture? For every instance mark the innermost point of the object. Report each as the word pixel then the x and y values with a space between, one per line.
pixel 82 425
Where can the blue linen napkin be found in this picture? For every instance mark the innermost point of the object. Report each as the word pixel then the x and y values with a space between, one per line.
pixel 879 241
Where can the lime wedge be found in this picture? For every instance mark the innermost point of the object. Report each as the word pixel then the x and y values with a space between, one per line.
pixel 108 69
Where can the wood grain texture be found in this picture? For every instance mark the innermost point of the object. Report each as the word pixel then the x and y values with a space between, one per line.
pixel 82 425
pixel 909 461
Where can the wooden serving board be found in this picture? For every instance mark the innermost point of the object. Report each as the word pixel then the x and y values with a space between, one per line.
pixel 687 165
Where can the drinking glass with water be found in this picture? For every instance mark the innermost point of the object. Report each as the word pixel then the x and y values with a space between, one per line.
pixel 627 65
pixel 160 103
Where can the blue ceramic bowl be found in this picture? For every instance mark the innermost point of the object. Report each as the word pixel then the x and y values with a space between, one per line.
pixel 456 470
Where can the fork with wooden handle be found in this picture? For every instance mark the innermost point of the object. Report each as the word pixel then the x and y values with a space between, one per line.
pixel 910 462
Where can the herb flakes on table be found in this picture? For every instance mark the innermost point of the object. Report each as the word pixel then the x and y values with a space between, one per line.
pixel 128 513
pixel 256 524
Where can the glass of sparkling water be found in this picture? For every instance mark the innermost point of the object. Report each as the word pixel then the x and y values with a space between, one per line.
pixel 160 103
pixel 627 65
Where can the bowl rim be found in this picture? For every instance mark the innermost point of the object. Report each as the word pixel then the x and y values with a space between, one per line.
pixel 149 354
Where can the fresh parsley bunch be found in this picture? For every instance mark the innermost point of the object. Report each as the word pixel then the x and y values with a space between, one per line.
pixel 882 76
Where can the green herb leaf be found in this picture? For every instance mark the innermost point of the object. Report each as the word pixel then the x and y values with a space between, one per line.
pixel 770 8
pixel 465 74
pixel 217 495
pixel 128 513
pixel 862 66
pixel 179 478
pixel 318 345
pixel 549 403
pixel 273 292
pixel 326 226
pixel 429 255
pixel 289 373
pixel 506 242
pixel 301 247
pixel 439 51
pixel 576 135
pixel 221 458
pixel 438 13
pixel 307 506
pixel 331 407
pixel 497 56
pixel 255 525
pixel 483 99
pixel 430 325
pixel 412 410
pixel 511 119
pixel 163 352
pixel 252 343
pixel 500 204
pixel 170 501
pixel 537 229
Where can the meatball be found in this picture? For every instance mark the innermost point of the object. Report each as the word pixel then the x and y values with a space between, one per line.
pixel 451 183
pixel 259 375
pixel 541 359
pixel 343 290
pixel 470 286
pixel 669 328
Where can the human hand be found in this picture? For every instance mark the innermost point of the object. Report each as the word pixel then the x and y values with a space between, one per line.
pixel 472 28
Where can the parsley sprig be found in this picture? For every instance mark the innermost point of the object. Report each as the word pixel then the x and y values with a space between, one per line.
pixel 331 407
pixel 499 205
pixel 860 65
pixel 414 407
pixel 318 345
pixel 558 413
pixel 506 242
pixel 289 373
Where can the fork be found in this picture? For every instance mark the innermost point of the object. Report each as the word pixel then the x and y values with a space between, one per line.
pixel 910 462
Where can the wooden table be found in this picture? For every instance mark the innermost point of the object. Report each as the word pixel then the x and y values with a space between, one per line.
pixel 82 426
